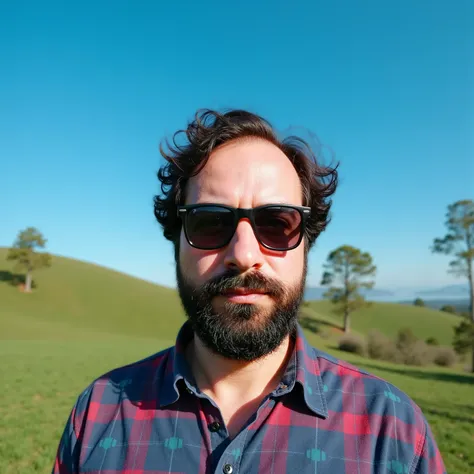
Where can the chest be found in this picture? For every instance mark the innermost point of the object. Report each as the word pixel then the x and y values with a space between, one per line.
pixel 278 439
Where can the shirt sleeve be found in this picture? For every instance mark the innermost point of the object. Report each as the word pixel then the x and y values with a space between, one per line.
pixel 67 454
pixel 430 460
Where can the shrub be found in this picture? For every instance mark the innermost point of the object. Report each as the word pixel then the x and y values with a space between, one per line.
pixel 405 339
pixel 412 351
pixel 325 333
pixel 444 356
pixel 448 308
pixel 380 346
pixel 419 302
pixel 352 343
pixel 432 341
pixel 417 354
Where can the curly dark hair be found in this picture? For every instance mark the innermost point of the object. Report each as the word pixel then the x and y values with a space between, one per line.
pixel 211 129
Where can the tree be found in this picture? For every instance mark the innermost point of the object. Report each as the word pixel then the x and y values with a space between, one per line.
pixel 25 254
pixel 432 341
pixel 463 336
pixel 419 302
pixel 448 308
pixel 459 242
pixel 346 269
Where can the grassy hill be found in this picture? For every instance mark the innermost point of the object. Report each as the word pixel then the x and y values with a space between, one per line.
pixel 83 320
pixel 74 299
pixel 390 317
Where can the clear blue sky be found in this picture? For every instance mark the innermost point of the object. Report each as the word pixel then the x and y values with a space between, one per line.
pixel 88 90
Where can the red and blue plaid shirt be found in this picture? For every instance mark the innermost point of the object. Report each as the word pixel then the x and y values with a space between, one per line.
pixel 325 417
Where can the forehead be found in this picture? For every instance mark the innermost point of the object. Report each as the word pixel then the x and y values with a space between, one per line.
pixel 246 174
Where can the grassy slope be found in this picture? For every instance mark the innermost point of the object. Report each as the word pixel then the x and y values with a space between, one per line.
pixel 76 299
pixel 84 320
pixel 389 318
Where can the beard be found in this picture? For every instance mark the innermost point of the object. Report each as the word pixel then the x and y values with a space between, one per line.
pixel 243 332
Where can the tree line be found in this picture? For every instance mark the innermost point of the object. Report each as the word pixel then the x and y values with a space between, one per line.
pixel 347 271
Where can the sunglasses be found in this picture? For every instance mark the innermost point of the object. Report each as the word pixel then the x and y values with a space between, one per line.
pixel 212 226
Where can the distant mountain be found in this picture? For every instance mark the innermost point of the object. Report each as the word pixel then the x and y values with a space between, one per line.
pixel 461 304
pixel 450 291
pixel 458 295
pixel 316 293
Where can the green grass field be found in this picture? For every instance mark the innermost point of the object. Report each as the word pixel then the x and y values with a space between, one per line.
pixel 390 317
pixel 83 320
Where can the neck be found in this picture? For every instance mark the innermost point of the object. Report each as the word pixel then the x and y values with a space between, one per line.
pixel 240 380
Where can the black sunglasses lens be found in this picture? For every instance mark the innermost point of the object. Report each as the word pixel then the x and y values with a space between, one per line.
pixel 209 227
pixel 278 227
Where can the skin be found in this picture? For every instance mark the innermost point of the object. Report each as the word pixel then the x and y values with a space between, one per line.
pixel 242 174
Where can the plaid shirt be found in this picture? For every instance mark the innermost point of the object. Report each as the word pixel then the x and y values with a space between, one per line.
pixel 325 417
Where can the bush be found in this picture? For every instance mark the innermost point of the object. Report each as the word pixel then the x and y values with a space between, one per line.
pixel 448 308
pixel 444 356
pixel 405 339
pixel 417 354
pixel 412 351
pixel 419 302
pixel 381 347
pixel 351 343
pixel 376 344
pixel 325 333
pixel 432 341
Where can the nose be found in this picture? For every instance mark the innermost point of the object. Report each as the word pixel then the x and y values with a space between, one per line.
pixel 243 252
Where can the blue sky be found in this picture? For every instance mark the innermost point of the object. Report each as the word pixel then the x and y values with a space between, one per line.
pixel 89 89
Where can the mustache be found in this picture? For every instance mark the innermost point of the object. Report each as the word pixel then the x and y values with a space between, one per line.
pixel 232 280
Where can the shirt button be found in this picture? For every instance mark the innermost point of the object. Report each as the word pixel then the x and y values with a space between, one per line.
pixel 228 469
pixel 216 426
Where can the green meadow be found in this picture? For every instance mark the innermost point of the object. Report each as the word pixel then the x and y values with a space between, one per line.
pixel 82 320
pixel 388 318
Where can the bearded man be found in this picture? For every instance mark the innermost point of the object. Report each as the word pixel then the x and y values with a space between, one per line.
pixel 242 391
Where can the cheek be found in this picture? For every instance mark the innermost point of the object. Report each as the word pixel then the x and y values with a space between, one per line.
pixel 290 268
pixel 197 265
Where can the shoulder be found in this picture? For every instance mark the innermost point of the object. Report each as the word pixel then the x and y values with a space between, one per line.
pixel 136 382
pixel 351 389
pixel 365 405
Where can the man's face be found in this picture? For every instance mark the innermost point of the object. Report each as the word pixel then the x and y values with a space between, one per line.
pixel 243 299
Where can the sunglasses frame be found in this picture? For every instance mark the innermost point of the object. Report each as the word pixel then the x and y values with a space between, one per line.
pixel 245 213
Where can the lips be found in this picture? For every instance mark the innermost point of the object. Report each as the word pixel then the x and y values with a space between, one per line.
pixel 244 292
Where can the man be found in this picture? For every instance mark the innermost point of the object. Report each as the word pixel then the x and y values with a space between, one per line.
pixel 242 391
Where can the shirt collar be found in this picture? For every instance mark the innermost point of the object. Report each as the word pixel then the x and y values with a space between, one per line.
pixel 176 369
pixel 303 370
